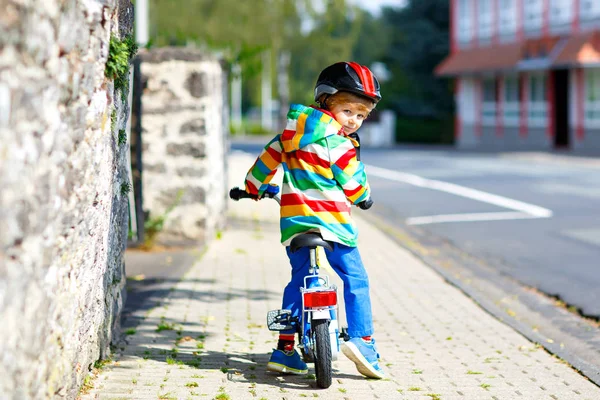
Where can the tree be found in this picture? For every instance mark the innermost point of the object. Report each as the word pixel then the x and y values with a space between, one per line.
pixel 242 30
pixel 419 42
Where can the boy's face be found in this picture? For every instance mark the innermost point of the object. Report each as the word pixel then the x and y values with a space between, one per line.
pixel 350 115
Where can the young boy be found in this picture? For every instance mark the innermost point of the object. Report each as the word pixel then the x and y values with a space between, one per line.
pixel 322 179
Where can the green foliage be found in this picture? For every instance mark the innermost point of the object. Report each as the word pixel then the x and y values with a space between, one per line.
pixel 120 53
pixel 418 42
pixel 165 326
pixel 410 41
pixel 422 130
pixel 118 59
pixel 113 120
pixel 249 128
pixel 334 36
pixel 125 188
pixel 262 25
pixel 122 139
pixel 100 364
pixel 154 225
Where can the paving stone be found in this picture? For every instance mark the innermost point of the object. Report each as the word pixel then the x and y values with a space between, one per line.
pixel 434 341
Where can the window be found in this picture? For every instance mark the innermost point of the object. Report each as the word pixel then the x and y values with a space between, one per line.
pixel 465 22
pixel 589 9
pixel 508 17
pixel 484 30
pixel 561 12
pixel 511 100
pixel 532 14
pixel 592 97
pixel 488 108
pixel 537 99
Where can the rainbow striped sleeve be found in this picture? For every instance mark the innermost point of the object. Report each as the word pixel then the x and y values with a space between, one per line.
pixel 264 168
pixel 347 170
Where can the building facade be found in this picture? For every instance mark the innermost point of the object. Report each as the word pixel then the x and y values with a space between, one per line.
pixel 527 73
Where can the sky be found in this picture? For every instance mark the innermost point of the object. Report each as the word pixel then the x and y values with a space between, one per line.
pixel 374 5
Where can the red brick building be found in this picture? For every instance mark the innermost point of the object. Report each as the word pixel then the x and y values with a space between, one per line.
pixel 527 73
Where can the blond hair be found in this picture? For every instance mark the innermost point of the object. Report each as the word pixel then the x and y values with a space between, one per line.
pixel 364 104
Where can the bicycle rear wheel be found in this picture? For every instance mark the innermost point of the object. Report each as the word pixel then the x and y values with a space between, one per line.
pixel 322 343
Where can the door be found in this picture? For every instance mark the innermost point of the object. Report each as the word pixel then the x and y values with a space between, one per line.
pixel 561 108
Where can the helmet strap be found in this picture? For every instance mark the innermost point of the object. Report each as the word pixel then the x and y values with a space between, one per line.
pixel 323 102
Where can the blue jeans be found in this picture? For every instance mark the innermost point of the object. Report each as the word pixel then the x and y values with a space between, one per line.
pixel 346 262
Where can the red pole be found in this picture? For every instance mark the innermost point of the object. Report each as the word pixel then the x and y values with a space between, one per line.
pixel 550 99
pixel 546 18
pixel 500 106
pixel 519 20
pixel 575 22
pixel 478 106
pixel 453 25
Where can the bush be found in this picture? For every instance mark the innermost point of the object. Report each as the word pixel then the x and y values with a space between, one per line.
pixel 423 130
pixel 249 128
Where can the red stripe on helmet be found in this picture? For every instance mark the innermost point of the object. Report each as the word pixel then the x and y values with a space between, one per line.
pixel 366 78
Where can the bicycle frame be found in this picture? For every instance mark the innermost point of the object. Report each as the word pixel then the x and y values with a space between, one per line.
pixel 319 302
pixel 317 327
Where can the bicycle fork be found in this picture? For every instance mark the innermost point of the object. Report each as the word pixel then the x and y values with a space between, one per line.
pixel 319 302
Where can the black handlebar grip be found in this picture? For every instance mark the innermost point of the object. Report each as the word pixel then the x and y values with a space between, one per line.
pixel 237 193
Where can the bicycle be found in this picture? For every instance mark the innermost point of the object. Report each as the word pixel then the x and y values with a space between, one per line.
pixel 317 328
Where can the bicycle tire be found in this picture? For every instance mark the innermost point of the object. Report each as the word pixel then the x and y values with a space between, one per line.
pixel 322 343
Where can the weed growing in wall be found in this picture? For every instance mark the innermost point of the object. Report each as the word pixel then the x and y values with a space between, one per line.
pixel 154 225
pixel 113 120
pixel 122 139
pixel 125 188
pixel 120 53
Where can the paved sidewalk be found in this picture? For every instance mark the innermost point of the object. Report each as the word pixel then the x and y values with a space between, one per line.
pixel 208 338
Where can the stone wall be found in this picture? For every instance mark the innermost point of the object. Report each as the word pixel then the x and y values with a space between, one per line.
pixel 185 142
pixel 63 202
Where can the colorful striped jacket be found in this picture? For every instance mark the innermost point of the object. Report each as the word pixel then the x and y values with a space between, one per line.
pixel 322 177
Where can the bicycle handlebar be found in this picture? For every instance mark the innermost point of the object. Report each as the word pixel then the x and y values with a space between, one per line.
pixel 236 194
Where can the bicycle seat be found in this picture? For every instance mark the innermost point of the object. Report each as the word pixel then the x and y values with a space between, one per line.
pixel 309 240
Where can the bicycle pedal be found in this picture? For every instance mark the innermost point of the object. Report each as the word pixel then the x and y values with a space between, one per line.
pixel 344 334
pixel 280 320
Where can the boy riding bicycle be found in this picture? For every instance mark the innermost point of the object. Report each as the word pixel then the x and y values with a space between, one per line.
pixel 323 177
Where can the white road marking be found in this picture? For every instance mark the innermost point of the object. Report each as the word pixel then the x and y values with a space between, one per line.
pixel 497 216
pixel 525 210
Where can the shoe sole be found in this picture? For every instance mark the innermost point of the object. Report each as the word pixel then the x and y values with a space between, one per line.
pixel 275 367
pixel 362 365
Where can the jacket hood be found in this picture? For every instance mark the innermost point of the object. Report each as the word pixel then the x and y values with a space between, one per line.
pixel 306 125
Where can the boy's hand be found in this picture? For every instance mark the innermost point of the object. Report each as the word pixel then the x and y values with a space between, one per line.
pixel 365 204
pixel 272 190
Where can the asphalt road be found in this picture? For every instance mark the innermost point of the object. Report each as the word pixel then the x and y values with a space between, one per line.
pixel 534 217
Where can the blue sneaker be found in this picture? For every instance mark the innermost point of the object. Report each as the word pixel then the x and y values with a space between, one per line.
pixel 287 362
pixel 365 356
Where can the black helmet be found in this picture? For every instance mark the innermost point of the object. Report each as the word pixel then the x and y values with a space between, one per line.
pixel 348 77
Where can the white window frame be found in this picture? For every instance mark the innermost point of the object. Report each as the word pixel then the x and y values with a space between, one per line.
pixel 485 23
pixel 507 22
pixel 464 25
pixel 488 101
pixel 592 97
pixel 533 15
pixel 589 9
pixel 511 106
pixel 537 106
pixel 561 12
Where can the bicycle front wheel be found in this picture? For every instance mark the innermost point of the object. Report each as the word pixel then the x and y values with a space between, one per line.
pixel 322 343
